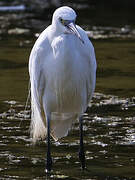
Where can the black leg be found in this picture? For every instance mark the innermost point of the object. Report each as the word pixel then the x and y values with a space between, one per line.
pixel 49 159
pixel 81 149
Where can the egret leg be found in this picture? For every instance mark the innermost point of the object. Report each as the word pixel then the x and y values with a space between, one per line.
pixel 49 159
pixel 81 149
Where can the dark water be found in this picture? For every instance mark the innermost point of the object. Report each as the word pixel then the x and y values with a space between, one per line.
pixel 109 123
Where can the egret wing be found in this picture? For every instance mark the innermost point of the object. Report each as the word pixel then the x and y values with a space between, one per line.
pixel 91 58
pixel 37 58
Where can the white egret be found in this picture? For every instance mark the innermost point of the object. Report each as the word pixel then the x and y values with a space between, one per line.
pixel 62 69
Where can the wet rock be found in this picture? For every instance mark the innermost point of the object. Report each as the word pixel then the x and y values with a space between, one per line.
pixel 99 32
pixel 126 29
pixel 18 31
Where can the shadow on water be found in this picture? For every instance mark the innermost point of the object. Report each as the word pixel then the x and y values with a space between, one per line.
pixel 109 122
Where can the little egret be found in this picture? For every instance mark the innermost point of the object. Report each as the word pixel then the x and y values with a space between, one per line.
pixel 62 70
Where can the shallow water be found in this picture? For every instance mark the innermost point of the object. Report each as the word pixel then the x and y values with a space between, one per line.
pixel 109 122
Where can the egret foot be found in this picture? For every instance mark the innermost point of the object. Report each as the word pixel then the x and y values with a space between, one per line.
pixel 48 164
pixel 82 158
pixel 81 150
pixel 49 159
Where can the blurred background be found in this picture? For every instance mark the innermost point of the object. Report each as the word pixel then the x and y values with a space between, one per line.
pixel 35 15
pixel 109 122
pixel 109 24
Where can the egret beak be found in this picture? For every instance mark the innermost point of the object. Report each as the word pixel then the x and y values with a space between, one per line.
pixel 74 30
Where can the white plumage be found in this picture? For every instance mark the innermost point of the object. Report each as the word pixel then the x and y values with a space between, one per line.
pixel 62 69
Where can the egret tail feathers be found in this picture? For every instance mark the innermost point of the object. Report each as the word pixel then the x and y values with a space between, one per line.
pixel 37 127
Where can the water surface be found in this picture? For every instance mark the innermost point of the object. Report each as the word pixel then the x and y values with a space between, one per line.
pixel 109 122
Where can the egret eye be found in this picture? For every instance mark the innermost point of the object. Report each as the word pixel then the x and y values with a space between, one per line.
pixel 61 20
pixel 64 22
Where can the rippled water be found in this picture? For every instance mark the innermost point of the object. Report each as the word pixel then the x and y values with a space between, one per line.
pixel 109 122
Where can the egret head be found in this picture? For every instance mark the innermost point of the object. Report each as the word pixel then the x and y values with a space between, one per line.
pixel 64 20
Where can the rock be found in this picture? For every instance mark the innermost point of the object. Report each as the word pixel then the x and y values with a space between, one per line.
pixel 126 29
pixel 18 31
